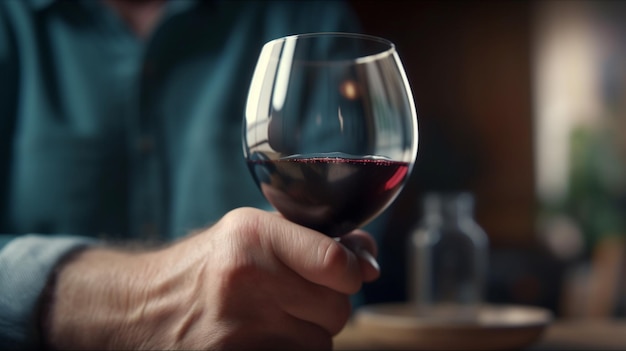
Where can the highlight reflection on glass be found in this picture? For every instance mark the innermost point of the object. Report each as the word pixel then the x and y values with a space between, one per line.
pixel 330 129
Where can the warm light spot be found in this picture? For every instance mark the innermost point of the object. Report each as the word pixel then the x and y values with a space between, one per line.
pixel 349 90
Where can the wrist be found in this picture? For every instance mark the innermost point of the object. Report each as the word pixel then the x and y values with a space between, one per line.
pixel 48 295
pixel 87 299
pixel 103 298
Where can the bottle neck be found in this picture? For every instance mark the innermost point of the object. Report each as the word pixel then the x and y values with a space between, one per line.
pixel 448 208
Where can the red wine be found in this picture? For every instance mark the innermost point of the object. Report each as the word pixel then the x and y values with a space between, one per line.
pixel 331 194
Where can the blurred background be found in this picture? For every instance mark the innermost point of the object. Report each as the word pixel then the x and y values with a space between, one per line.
pixel 522 103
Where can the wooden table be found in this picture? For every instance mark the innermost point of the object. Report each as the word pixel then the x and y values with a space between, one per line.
pixel 584 335
pixel 560 335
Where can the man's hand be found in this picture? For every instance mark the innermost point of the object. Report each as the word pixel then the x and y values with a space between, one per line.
pixel 252 281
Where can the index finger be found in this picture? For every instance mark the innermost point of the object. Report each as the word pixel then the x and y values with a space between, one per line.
pixel 364 246
pixel 313 255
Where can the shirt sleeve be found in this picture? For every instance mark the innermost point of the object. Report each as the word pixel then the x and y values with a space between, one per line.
pixel 25 265
pixel 26 261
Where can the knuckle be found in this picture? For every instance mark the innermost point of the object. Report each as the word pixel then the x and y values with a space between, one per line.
pixel 243 225
pixel 237 263
pixel 242 218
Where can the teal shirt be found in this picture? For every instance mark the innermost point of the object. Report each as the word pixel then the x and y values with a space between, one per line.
pixel 104 135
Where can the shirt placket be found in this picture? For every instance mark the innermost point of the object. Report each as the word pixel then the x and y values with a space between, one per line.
pixel 149 194
pixel 147 218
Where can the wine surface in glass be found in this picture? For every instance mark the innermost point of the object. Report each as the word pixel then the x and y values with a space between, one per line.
pixel 333 193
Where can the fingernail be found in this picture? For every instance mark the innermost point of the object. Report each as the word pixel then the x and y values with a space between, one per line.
pixel 364 254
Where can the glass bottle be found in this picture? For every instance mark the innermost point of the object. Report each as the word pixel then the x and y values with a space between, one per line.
pixel 448 259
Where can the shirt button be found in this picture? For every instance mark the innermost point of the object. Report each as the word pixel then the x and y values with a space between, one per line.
pixel 145 144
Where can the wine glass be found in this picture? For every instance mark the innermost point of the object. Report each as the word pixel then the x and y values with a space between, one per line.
pixel 330 129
